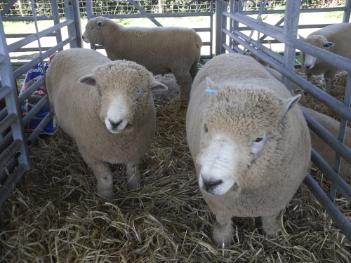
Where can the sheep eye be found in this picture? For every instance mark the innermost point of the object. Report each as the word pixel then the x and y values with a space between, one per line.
pixel 258 139
pixel 205 128
pixel 258 144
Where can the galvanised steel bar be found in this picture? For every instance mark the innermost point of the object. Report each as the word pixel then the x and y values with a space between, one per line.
pixel 308 26
pixel 26 18
pixel 10 184
pixel 37 107
pixel 277 33
pixel 342 131
pixel 23 69
pixel 347 11
pixel 239 34
pixel 231 50
pixel 12 107
pixel 71 8
pixel 22 35
pixel 141 9
pixel 7 122
pixel 342 222
pixel 56 18
pixel 4 91
pixel 34 13
pixel 35 133
pixel 220 25
pixel 331 174
pixel 328 138
pixel 302 10
pixel 234 7
pixel 157 15
pixel 291 21
pixel 319 94
pixel 32 37
pixel 33 86
pixel 10 153
pixel 89 8
pixel 30 49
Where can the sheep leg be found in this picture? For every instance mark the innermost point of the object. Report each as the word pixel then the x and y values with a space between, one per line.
pixel 103 176
pixel 329 77
pixel 223 230
pixel 133 175
pixel 184 80
pixel 271 224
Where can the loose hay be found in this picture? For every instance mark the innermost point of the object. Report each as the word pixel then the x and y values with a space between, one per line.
pixel 54 215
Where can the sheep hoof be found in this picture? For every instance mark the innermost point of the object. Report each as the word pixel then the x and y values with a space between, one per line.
pixel 134 185
pixel 271 225
pixel 106 194
pixel 223 234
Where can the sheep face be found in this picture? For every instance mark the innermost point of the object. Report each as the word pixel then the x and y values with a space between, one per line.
pixel 240 139
pixel 124 88
pixel 94 30
pixel 309 61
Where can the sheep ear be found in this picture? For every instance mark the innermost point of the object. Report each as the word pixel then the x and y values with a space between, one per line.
pixel 288 104
pixel 157 86
pixel 328 44
pixel 301 37
pixel 88 79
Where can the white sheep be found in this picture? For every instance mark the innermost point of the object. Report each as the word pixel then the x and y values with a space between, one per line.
pixel 323 148
pixel 106 107
pixel 336 38
pixel 161 50
pixel 249 142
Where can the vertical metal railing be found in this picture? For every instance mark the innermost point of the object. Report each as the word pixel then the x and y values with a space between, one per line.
pixel 74 29
pixel 347 11
pixel 14 158
pixel 16 149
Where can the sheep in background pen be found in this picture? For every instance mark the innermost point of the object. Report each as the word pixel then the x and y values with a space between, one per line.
pixel 336 38
pixel 107 108
pixel 327 122
pixel 249 142
pixel 161 50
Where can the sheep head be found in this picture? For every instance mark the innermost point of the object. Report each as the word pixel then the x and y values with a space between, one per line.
pixel 124 89
pixel 242 131
pixel 309 61
pixel 96 29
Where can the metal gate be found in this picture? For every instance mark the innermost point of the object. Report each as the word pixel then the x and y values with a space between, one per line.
pixel 232 21
pixel 14 63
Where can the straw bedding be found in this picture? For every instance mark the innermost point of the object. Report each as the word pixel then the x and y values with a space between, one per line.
pixel 54 215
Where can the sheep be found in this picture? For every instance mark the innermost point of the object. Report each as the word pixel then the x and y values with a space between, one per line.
pixel 335 38
pixel 249 142
pixel 323 148
pixel 107 108
pixel 161 50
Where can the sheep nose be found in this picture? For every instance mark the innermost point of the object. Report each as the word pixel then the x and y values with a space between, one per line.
pixel 209 185
pixel 114 125
pixel 308 66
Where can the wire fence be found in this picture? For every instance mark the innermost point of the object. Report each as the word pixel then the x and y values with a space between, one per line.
pixel 114 7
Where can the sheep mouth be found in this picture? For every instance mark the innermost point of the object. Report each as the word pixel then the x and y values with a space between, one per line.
pixel 127 129
pixel 85 39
